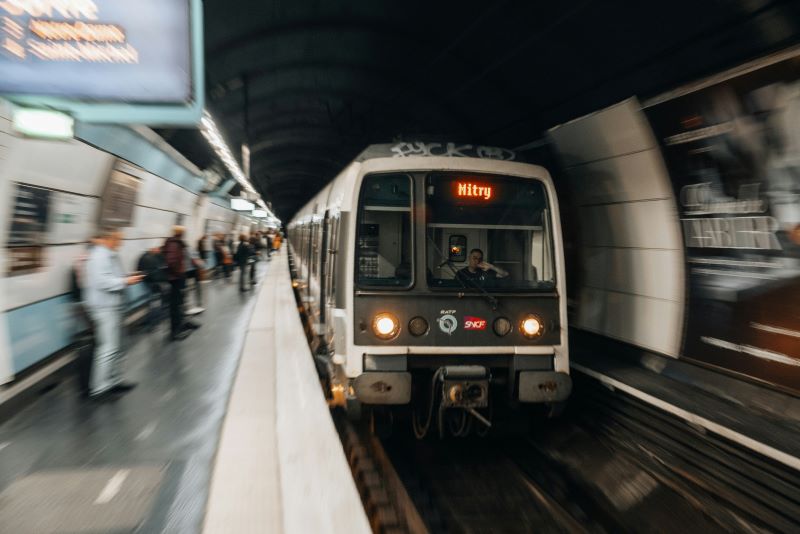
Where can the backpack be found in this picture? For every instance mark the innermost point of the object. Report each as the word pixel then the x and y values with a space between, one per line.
pixel 75 292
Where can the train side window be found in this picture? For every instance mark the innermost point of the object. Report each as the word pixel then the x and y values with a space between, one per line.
pixel 383 244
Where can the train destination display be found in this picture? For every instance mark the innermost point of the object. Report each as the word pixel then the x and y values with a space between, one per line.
pixel 101 50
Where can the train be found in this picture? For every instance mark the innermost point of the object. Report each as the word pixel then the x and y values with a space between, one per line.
pixel 432 277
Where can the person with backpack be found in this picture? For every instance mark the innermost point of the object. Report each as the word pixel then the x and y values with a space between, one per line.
pixel 153 267
pixel 84 338
pixel 242 257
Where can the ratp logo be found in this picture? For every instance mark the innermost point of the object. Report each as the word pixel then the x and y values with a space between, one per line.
pixel 474 323
pixel 448 324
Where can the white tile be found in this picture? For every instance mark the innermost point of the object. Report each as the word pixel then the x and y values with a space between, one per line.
pixel 639 176
pixel 648 224
pixel 619 129
pixel 645 272
pixel 649 323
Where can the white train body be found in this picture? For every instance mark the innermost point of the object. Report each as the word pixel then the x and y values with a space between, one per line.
pixel 347 240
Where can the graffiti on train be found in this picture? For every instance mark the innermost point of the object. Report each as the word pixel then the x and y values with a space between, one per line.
pixel 451 150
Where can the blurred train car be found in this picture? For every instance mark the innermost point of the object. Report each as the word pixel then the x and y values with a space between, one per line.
pixel 382 260
pixel 55 195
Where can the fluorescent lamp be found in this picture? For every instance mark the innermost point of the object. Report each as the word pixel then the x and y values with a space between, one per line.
pixel 240 204
pixel 259 213
pixel 43 123
pixel 214 137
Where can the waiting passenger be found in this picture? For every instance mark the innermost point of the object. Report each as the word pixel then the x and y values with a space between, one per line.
pixel 153 267
pixel 222 255
pixel 256 248
pixel 85 339
pixel 175 256
pixel 194 271
pixel 104 296
pixel 202 249
pixel 479 270
pixel 242 257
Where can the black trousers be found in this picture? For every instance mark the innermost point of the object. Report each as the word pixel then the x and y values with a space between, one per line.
pixel 176 304
pixel 243 276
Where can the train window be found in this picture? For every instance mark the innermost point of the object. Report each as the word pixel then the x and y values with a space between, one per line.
pixel 504 222
pixel 383 246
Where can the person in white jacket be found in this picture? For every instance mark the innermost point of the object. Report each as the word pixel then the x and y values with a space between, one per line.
pixel 104 297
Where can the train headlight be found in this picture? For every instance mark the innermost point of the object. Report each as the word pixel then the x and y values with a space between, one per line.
pixel 385 325
pixel 418 326
pixel 531 326
pixel 501 326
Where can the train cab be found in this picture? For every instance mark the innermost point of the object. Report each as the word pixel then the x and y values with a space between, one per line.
pixel 449 287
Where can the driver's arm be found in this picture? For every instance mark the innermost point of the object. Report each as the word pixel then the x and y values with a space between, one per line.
pixel 501 273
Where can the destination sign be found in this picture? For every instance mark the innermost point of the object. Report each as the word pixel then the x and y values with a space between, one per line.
pixel 473 190
pixel 100 50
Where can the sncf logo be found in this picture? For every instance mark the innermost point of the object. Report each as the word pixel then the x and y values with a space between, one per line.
pixel 474 323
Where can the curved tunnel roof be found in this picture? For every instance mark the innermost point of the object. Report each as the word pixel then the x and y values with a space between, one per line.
pixel 309 84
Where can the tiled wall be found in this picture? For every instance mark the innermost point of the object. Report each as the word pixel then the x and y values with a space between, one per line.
pixel 631 250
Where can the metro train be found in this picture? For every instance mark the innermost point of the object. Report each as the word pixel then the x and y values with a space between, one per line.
pixel 433 278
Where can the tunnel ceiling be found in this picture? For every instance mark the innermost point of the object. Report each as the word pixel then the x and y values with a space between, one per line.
pixel 307 84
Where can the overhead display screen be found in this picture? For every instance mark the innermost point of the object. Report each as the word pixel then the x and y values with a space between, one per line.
pixel 97 50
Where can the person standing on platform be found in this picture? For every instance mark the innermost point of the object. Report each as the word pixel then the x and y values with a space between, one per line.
pixel 202 249
pixel 255 252
pixel 152 266
pixel 175 256
pixel 194 271
pixel 242 257
pixel 104 288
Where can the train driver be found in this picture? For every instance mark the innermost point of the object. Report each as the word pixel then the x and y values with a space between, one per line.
pixel 480 270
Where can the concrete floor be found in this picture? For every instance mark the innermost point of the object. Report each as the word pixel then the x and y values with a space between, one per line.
pixel 143 462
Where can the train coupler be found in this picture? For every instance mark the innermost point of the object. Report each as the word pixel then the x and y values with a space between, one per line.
pixel 465 386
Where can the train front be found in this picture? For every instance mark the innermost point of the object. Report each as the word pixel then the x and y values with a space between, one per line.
pixel 458 297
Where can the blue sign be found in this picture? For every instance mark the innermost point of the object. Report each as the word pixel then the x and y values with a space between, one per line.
pixel 99 50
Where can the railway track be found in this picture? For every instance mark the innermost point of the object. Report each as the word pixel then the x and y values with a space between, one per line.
pixel 737 488
pixel 611 465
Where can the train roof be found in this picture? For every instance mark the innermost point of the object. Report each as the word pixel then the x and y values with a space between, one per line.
pixel 404 149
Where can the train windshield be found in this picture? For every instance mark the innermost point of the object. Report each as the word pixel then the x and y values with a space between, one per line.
pixel 383 246
pixel 489 232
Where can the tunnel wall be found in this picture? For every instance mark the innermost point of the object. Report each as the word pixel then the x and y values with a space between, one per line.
pixel 631 280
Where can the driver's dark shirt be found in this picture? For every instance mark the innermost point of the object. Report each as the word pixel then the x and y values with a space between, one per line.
pixel 478 275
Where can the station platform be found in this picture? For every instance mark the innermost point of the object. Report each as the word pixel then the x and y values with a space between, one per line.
pixel 227 431
pixel 755 417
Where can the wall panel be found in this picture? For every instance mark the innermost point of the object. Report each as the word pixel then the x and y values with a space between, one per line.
pixel 632 284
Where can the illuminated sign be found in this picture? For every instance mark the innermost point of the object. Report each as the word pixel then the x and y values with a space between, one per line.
pixel 240 204
pixel 103 50
pixel 472 190
pixel 474 323
pixel 43 123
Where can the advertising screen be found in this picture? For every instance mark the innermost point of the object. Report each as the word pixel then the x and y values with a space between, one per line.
pixel 99 50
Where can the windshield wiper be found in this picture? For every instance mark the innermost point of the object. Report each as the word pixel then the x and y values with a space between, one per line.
pixel 447 261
